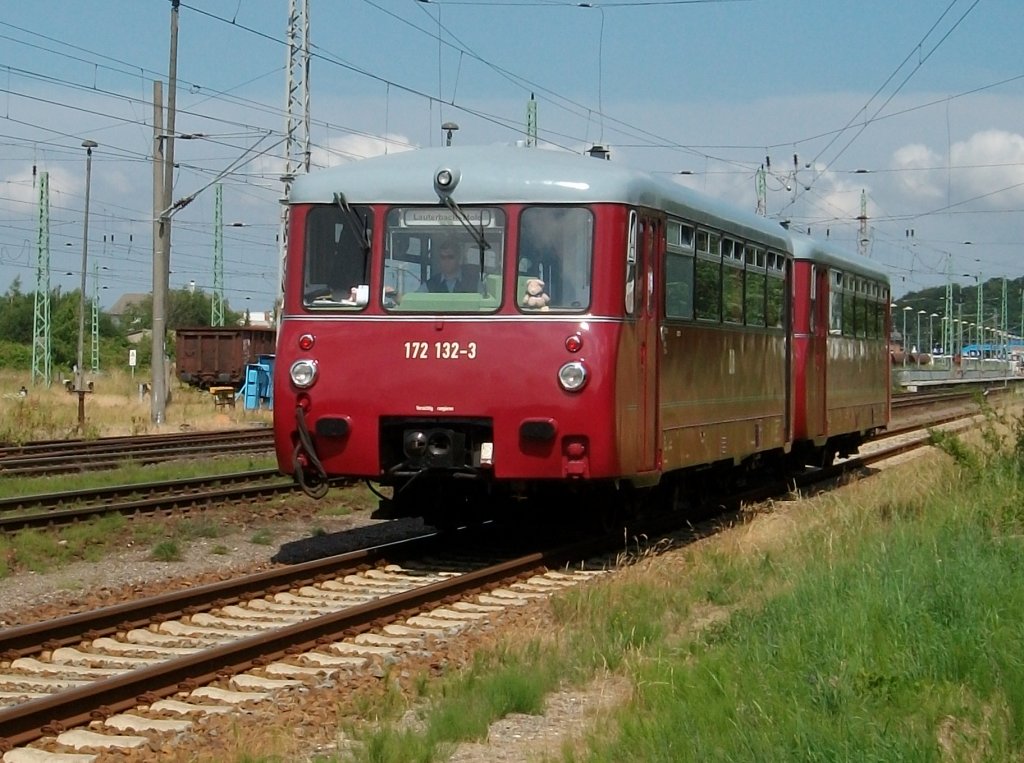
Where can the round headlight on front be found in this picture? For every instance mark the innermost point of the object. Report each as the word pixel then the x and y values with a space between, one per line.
pixel 445 180
pixel 572 376
pixel 303 373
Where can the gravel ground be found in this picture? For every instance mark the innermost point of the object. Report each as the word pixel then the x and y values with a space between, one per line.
pixel 130 572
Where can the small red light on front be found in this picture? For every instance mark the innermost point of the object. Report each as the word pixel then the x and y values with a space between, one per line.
pixel 576 450
pixel 306 342
pixel 574 343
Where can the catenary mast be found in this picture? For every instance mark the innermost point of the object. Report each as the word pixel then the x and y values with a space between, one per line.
pixel 217 302
pixel 296 130
pixel 862 240
pixel 41 310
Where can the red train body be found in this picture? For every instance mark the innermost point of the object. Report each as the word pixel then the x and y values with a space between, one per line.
pixel 670 334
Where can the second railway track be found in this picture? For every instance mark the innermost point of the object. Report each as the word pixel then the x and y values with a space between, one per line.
pixel 68 507
pixel 63 457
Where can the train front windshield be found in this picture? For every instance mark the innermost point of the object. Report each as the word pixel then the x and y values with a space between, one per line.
pixel 433 261
pixel 436 263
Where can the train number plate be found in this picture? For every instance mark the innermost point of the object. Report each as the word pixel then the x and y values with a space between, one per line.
pixel 440 350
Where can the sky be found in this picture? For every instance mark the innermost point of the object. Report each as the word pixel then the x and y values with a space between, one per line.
pixel 908 113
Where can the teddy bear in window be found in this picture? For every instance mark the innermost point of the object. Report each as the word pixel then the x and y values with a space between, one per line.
pixel 535 297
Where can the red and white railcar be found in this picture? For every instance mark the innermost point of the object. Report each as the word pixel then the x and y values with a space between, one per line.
pixel 470 325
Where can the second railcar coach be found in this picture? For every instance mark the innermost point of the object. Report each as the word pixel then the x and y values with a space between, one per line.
pixel 841 333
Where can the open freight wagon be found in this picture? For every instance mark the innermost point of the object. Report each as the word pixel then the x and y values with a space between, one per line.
pixel 218 356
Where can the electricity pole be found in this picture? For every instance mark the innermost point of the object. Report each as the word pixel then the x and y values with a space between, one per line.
pixel 163 177
pixel 88 145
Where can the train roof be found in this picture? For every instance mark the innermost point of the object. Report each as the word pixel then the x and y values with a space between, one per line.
pixel 828 253
pixel 503 174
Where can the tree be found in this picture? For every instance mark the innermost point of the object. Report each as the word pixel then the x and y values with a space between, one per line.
pixel 185 309
pixel 16 315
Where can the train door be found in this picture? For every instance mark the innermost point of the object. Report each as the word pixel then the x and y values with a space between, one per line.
pixel 650 234
pixel 820 310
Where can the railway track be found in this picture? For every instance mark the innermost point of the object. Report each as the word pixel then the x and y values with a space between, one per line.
pixel 68 456
pixel 70 506
pixel 265 633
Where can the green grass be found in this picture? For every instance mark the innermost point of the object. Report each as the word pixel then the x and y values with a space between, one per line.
pixel 262 537
pixel 861 659
pixel 201 527
pixel 495 685
pixel 42 551
pixel 166 551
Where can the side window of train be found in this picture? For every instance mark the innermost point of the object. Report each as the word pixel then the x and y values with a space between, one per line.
pixel 881 309
pixel 679 271
pixel 849 305
pixel 708 288
pixel 632 265
pixel 755 285
pixel 556 246
pixel 337 257
pixel 835 295
pixel 732 280
pixel 775 297
pixel 863 309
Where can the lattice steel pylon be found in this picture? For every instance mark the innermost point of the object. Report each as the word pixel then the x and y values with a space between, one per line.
pixel 531 121
pixel 948 345
pixel 296 129
pixel 217 301
pixel 761 186
pixel 95 325
pixel 1004 323
pixel 41 310
pixel 863 240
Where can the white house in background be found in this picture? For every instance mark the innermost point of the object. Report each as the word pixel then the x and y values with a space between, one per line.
pixel 259 318
pixel 121 306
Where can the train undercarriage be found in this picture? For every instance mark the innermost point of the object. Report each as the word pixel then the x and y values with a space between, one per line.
pixel 439 469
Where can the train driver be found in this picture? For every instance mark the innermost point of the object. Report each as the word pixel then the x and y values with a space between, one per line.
pixel 448 274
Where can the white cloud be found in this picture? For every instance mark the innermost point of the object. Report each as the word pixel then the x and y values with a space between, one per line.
pixel 988 166
pixel 990 163
pixel 351 147
pixel 918 174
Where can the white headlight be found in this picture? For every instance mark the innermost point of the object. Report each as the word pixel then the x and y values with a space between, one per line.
pixel 303 373
pixel 572 376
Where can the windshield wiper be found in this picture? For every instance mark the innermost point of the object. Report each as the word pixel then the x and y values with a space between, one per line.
pixel 478 236
pixel 357 222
